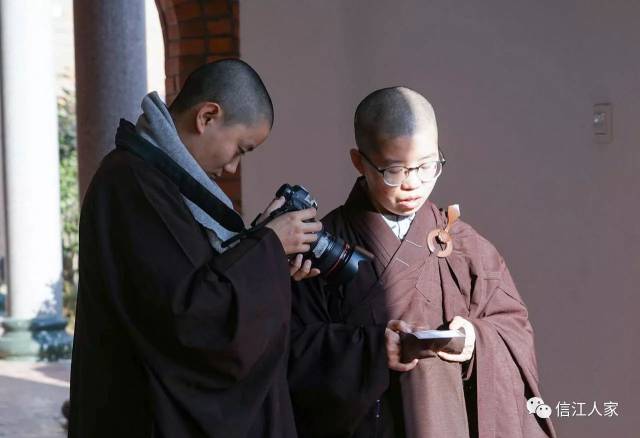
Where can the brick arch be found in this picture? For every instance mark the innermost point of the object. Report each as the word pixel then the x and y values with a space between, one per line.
pixel 196 32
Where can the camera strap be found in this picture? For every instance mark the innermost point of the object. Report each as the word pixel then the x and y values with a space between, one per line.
pixel 127 138
pixel 255 226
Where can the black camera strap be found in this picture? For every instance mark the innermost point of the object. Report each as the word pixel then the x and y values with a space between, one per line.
pixel 127 138
pixel 255 226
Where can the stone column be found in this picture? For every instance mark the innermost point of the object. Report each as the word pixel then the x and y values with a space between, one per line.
pixel 34 327
pixel 111 75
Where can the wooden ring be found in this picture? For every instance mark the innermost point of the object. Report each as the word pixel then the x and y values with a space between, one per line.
pixel 439 236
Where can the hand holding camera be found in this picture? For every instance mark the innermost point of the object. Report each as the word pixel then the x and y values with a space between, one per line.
pixel 294 233
pixel 291 216
pixel 299 267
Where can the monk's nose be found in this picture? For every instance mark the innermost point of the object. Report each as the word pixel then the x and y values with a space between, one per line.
pixel 232 166
pixel 412 181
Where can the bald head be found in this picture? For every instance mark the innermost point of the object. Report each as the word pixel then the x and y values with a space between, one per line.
pixel 233 85
pixel 391 113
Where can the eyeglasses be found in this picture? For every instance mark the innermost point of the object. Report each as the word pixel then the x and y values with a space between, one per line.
pixel 394 176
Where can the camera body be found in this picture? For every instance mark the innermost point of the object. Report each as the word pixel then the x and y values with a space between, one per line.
pixel 296 198
pixel 337 261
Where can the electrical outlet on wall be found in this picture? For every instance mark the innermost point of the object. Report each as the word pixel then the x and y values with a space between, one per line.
pixel 603 123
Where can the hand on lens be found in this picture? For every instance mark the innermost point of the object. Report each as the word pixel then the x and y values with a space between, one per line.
pixel 301 269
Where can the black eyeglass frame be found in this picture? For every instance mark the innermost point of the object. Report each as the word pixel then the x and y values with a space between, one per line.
pixel 407 170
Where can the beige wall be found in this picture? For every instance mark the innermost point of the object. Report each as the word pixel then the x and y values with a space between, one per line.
pixel 513 86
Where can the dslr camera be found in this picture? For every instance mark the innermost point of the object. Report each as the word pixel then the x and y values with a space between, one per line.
pixel 337 261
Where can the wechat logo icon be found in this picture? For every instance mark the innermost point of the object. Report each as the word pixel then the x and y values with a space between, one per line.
pixel 535 405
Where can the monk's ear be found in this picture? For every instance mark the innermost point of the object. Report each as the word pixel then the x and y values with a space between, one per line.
pixel 356 159
pixel 208 115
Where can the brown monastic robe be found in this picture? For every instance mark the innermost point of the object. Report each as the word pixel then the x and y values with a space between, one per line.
pixel 172 339
pixel 485 397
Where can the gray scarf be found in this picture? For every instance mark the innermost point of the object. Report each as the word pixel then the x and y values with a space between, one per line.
pixel 156 126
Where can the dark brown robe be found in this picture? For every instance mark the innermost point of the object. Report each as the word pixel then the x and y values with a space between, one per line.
pixel 339 379
pixel 173 340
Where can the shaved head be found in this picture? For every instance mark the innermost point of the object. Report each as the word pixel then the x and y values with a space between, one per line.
pixel 391 113
pixel 233 85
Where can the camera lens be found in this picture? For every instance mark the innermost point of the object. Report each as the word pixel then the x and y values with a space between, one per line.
pixel 337 261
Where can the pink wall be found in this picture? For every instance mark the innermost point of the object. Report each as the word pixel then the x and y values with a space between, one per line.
pixel 513 86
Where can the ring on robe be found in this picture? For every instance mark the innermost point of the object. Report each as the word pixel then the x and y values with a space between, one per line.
pixel 442 236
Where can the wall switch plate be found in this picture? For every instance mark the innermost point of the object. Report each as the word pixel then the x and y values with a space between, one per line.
pixel 603 123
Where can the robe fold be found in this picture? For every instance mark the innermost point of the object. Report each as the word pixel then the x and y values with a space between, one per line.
pixel 339 379
pixel 172 339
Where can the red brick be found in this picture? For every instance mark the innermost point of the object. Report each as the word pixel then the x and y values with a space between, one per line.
pixel 172 65
pixel 170 16
pixel 219 27
pixel 192 28
pixel 230 186
pixel 177 83
pixel 236 9
pixel 173 49
pixel 187 47
pixel 186 33
pixel 190 63
pixel 221 45
pixel 212 58
pixel 216 8
pixel 188 11
pixel 163 4
pixel 173 32
pixel 236 46
pixel 169 85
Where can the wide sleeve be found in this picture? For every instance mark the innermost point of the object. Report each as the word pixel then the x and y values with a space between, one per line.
pixel 504 360
pixel 189 310
pixel 337 371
